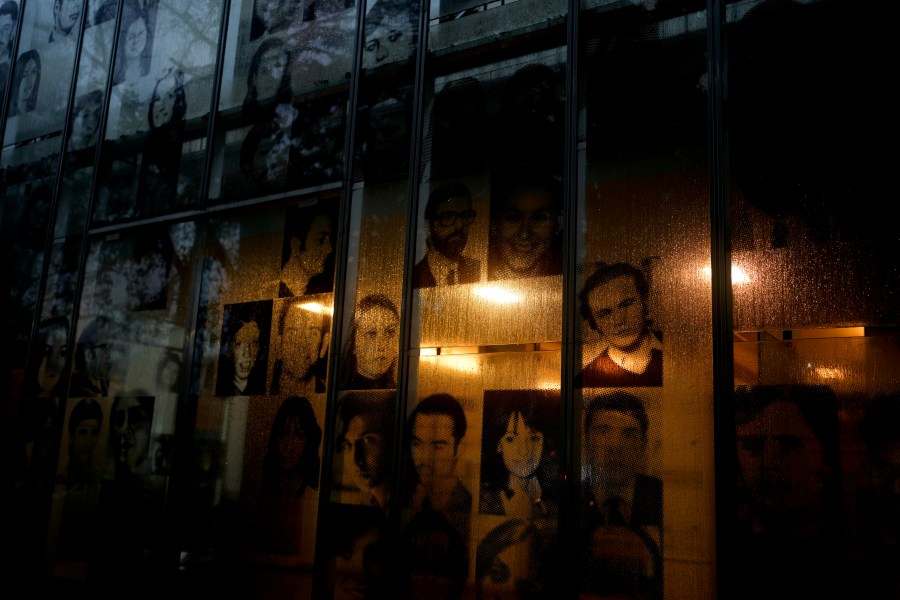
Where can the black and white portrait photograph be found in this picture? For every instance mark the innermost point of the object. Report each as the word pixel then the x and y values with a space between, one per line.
pixel 615 306
pixel 449 214
pixel 372 349
pixel 94 356
pixel 434 558
pixel 131 418
pixel 518 560
pixel 84 127
pixel 307 255
pixel 302 339
pixel 621 503
pixel 526 226
pixel 66 21
pixel 271 16
pixel 9 21
pixel 244 352
pixel 391 32
pixel 135 48
pixel 282 463
pixel 519 454
pixel 363 456
pixel 26 83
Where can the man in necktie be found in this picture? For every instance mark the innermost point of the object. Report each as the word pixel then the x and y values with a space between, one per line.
pixel 616 489
pixel 448 215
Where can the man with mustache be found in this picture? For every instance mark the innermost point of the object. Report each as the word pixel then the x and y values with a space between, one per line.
pixel 449 215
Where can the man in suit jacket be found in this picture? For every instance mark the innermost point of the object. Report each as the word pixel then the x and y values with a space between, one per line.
pixel 449 214
pixel 616 492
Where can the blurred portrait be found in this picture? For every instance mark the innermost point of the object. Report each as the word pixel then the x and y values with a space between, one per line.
pixel 448 216
pixel 83 428
pixel 292 459
pixel 52 350
pixel 301 357
pixel 84 127
pixel 94 358
pixel 620 562
pixel 370 355
pixel 359 564
pixel 158 178
pixel 526 227
pixel 307 255
pixel 66 20
pixel 244 353
pixel 391 32
pixel 26 83
pixel 269 76
pixel 516 561
pixel 459 129
pixel 363 448
pixel 434 558
pixel 149 269
pixel 130 421
pixel 519 458
pixel 135 47
pixel 614 304
pixel 271 16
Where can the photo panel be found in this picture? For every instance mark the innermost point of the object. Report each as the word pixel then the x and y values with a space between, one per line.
pixel 363 448
pixel 244 349
pixel 371 348
pixel 621 499
pixel 458 468
pixel 308 251
pixel 281 476
pixel 623 343
pixel 301 341
pixel 358 562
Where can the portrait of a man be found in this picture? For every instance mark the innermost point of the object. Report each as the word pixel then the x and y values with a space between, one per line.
pixel 66 17
pixel 301 359
pixel 307 255
pixel 622 507
pixel 130 436
pixel 436 428
pixel 244 354
pixel 526 228
pixel 448 216
pixel 363 447
pixel 614 305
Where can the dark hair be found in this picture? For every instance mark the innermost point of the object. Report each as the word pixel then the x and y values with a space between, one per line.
pixel 131 15
pixel 444 193
pixel 442 404
pixel 373 407
pixel 180 108
pixel 284 91
pixel 620 402
pixel 606 273
pixel 295 407
pixel 297 224
pixel 98 331
pixel 383 9
pixel 82 102
pixel 17 81
pixel 817 404
pixel 366 303
pixel 10 8
pixel 539 410
pixel 84 409
pixel 421 551
pixel 626 574
pixel 539 533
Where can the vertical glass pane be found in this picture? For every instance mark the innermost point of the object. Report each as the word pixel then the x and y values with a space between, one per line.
pixel 283 99
pixel 9 29
pixel 42 75
pixel 815 300
pixel 153 154
pixel 645 370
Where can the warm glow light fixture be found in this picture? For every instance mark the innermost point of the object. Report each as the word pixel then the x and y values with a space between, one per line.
pixel 738 274
pixel 496 294
pixel 317 308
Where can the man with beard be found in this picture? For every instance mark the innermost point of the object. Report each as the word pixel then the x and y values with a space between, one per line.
pixel 449 215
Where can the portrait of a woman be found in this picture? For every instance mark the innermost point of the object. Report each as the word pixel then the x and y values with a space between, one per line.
pixel 518 453
pixel 371 355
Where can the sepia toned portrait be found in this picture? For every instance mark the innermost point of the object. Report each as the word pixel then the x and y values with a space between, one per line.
pixel 614 304
pixel 448 216
pixel 371 353
pixel 363 456
pixel 519 457
pixel 307 254
pixel 244 351
pixel 301 344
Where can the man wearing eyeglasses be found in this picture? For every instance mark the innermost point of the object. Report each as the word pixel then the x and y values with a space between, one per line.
pixel 449 214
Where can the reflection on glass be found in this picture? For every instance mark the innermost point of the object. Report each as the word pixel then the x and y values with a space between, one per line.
pixel 358 553
pixel 158 181
pixel 52 351
pixel 135 42
pixel 130 437
pixel 66 20
pixel 370 356
pixel 271 16
pixel 85 121
pixel 614 305
pixel 93 358
pixel 448 214
pixel 9 17
pixel 391 32
pixel 434 558
pixel 26 82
